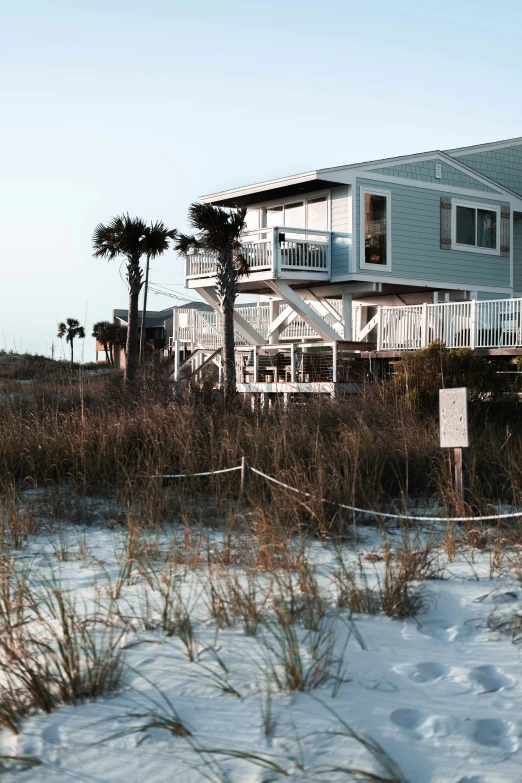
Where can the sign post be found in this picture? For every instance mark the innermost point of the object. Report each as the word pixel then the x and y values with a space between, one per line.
pixel 454 434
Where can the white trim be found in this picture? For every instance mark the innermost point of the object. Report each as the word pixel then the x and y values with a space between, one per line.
pixel 259 187
pixel 511 246
pixel 484 147
pixel 473 248
pixel 363 191
pixel 420 283
pixel 417 183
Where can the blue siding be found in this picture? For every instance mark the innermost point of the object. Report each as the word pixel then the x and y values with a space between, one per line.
pixel 416 251
pixel 483 296
pixel 517 254
pixel 424 171
pixel 504 165
pixel 341 207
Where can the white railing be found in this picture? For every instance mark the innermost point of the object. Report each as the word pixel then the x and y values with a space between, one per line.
pixel 202 328
pixel 490 324
pixel 494 323
pixel 274 250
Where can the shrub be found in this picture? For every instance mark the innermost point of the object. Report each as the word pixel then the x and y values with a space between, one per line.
pixel 422 373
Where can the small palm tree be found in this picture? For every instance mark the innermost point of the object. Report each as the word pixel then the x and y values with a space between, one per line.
pixel 117 335
pixel 156 243
pixel 100 330
pixel 218 231
pixel 71 330
pixel 125 236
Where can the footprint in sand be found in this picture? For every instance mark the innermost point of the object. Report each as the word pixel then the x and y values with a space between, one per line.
pixel 423 725
pixel 423 673
pixel 444 631
pixel 496 733
pixel 490 679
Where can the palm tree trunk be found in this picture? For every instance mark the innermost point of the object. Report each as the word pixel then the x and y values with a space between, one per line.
pixel 229 362
pixel 134 279
pixel 106 349
pixel 72 352
pixel 227 291
pixel 144 314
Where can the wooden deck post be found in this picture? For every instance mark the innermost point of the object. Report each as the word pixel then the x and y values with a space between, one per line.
pixel 424 325
pixel 347 316
pixel 245 477
pixel 256 363
pixel 292 363
pixel 177 362
pixel 473 324
pixel 334 362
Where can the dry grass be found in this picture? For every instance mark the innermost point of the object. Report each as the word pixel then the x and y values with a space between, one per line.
pixel 373 450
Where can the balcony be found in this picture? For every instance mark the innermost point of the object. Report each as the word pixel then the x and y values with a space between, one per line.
pixel 292 253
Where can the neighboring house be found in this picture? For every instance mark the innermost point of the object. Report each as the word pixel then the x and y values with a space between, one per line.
pixel 158 330
pixel 332 251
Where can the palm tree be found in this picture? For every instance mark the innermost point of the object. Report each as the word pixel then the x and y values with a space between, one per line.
pixel 71 329
pixel 156 243
pixel 116 335
pixel 125 236
pixel 101 330
pixel 218 231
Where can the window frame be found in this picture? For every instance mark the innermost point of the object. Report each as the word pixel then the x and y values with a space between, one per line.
pixel 476 206
pixel 363 192
pixel 305 198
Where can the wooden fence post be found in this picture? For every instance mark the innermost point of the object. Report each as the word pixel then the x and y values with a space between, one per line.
pixel 454 434
pixel 462 473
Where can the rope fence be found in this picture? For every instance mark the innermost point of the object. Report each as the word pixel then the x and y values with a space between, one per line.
pixel 245 477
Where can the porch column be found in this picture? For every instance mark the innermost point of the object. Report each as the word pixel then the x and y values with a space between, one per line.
pixel 177 358
pixel 347 317
pixel 273 338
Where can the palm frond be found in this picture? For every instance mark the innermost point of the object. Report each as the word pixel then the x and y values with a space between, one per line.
pixel 123 235
pixel 157 239
pixel 186 243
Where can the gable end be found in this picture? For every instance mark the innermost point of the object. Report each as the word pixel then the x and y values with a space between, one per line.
pixel 424 171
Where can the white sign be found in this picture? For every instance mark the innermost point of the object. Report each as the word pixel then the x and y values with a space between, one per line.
pixel 453 407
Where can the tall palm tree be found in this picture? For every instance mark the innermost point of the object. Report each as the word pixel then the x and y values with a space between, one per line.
pixel 156 243
pixel 125 236
pixel 71 330
pixel 218 231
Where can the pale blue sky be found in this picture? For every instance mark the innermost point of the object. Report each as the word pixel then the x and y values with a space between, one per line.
pixel 143 105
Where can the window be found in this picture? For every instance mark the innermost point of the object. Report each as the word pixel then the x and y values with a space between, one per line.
pixel 375 229
pixel 274 217
pixel 475 227
pixel 312 213
pixel 317 214
pixel 295 215
pixel 252 219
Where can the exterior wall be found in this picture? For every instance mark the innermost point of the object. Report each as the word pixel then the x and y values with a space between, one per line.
pixel 415 241
pixel 517 254
pixel 424 171
pixel 483 296
pixel 341 219
pixel 504 165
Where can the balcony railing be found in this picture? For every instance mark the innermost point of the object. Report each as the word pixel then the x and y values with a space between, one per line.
pixel 202 328
pixel 274 250
pixel 489 324
pixel 495 323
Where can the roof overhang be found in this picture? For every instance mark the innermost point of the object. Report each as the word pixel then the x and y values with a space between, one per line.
pixel 274 189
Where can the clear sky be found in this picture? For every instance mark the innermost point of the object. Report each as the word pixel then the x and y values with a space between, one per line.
pixel 109 106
